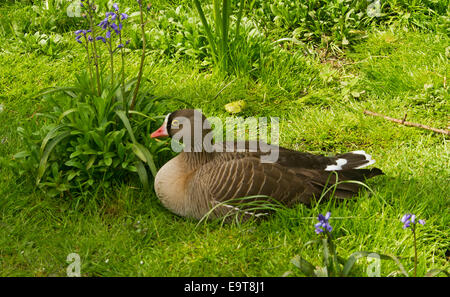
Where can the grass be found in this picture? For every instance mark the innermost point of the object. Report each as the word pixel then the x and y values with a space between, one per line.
pixel 127 232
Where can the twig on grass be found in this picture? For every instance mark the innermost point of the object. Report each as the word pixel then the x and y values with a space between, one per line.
pixel 403 122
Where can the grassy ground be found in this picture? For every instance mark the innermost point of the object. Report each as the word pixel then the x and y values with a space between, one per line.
pixel 127 232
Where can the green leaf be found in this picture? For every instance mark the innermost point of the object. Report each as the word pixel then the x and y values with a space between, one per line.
pixel 54 90
pixel 142 172
pixel 67 112
pixel 49 136
pixel 126 123
pixel 435 272
pixel 90 162
pixel 46 154
pixel 348 265
pixel 72 174
pixel 108 161
pixel 22 154
pixel 306 267
pixel 144 154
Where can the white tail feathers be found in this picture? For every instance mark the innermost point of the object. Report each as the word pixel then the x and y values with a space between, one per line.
pixel 368 158
pixel 338 166
pixel 351 161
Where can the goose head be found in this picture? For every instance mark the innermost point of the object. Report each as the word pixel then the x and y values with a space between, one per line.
pixel 188 126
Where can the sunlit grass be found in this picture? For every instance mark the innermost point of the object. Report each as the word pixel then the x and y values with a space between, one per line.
pixel 127 232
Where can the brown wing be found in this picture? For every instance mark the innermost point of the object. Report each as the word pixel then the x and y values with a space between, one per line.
pixel 221 183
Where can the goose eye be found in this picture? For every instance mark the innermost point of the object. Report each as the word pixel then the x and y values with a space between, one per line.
pixel 175 124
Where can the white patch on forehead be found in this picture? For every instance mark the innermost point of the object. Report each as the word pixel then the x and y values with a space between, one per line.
pixel 167 117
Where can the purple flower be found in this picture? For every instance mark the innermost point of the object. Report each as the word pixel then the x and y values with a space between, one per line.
pixel 104 23
pixel 409 220
pixel 116 6
pixel 128 42
pixel 120 46
pixel 123 16
pixel 115 28
pixel 81 33
pixel 101 38
pixel 108 34
pixel 323 224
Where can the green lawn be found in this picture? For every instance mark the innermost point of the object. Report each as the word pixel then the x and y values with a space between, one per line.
pixel 125 231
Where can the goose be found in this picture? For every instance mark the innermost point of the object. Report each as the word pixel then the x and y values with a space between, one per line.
pixel 204 177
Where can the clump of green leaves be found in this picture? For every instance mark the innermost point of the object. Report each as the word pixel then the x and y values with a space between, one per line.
pixel 88 137
pixel 335 25
pixel 334 265
pixel 88 141
pixel 41 43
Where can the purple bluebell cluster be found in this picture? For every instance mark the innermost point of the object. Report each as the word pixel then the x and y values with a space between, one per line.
pixel 323 224
pixel 409 220
pixel 112 22
pixel 82 33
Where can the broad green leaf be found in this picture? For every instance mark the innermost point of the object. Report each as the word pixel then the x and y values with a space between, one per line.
pixel 22 154
pixel 126 123
pixel 54 90
pixel 90 162
pixel 67 112
pixel 46 154
pixel 306 267
pixel 108 161
pixel 435 272
pixel 49 136
pixel 143 153
pixel 142 172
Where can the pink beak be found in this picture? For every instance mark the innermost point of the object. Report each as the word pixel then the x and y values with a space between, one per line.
pixel 161 132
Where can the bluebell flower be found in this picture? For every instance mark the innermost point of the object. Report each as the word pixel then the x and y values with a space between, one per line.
pixel 101 38
pixel 323 224
pixel 104 23
pixel 81 33
pixel 108 34
pixel 116 6
pixel 409 220
pixel 123 16
pixel 115 28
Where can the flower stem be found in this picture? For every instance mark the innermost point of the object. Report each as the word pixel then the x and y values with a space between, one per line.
pixel 415 250
pixel 111 55
pixel 136 90
pixel 125 105
pixel 89 59
pixel 95 57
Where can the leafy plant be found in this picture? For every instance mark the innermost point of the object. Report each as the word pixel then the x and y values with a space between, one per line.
pixel 41 43
pixel 89 138
pixel 227 44
pixel 333 265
